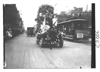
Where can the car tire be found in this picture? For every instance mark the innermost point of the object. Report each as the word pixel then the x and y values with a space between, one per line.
pixel 61 43
pixel 37 41
pixel 27 35
pixel 41 42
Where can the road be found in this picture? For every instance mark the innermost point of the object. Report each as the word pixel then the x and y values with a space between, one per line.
pixel 22 52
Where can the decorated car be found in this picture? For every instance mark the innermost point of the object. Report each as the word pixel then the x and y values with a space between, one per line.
pixel 49 37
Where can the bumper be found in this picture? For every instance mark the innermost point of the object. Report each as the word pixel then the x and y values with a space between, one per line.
pixel 50 42
pixel 31 34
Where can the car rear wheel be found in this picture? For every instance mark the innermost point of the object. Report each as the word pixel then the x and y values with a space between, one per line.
pixel 37 41
pixel 61 43
pixel 41 42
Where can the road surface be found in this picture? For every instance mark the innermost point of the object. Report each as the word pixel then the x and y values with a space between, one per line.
pixel 22 52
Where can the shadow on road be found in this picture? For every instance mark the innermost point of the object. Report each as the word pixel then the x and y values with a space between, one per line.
pixel 51 46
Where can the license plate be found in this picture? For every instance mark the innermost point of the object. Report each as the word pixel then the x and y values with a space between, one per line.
pixel 79 35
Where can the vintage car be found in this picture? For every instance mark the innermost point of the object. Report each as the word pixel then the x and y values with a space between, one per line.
pixel 50 37
pixel 30 31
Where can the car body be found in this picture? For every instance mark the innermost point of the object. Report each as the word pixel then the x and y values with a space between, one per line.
pixel 30 31
pixel 50 37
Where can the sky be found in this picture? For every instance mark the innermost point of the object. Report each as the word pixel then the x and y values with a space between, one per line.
pixel 28 8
